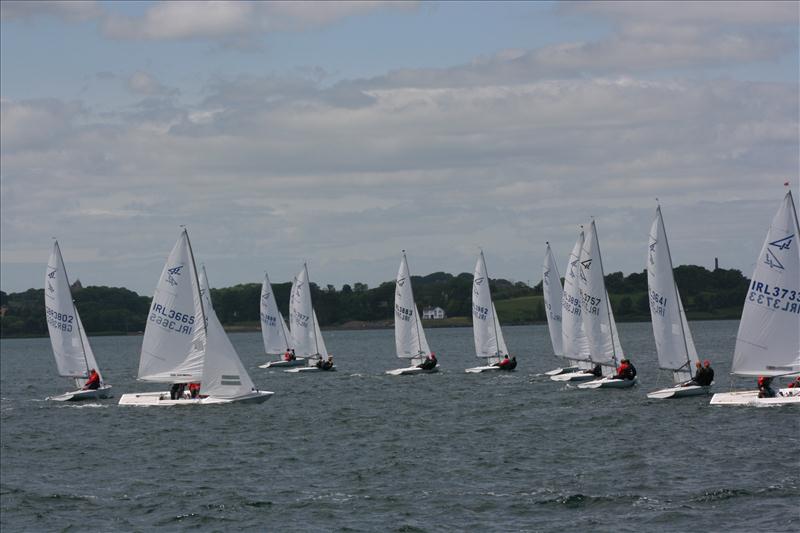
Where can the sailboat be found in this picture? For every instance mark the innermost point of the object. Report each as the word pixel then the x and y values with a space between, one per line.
pixel 598 318
pixel 409 336
pixel 184 341
pixel 768 341
pixel 277 340
pixel 676 351
pixel 489 342
pixel 574 345
pixel 308 341
pixel 74 356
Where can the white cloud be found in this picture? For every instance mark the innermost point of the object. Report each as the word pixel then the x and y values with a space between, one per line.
pixel 141 82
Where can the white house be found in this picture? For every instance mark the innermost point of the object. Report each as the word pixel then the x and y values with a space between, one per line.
pixel 433 313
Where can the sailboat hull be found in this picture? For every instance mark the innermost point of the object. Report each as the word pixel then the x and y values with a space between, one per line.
pixel 608 383
pixel 147 399
pixel 564 370
pixel 481 369
pixel 750 398
pixel 309 369
pixel 580 375
pixel 679 392
pixel 300 361
pixel 411 371
pixel 82 395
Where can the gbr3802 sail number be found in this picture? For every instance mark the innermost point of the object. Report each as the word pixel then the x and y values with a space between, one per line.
pixel 774 297
pixel 62 321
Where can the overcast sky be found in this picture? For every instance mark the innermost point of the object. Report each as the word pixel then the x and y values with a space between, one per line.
pixel 342 133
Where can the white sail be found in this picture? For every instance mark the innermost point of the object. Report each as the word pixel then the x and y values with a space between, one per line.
pixel 575 345
pixel 73 354
pixel 174 337
pixel 502 349
pixel 551 287
pixel 674 342
pixel 273 327
pixel 409 336
pixel 598 320
pixel 302 320
pixel 768 342
pixel 224 376
pixel 485 327
pixel 322 350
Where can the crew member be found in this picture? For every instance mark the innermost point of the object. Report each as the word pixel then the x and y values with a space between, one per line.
pixel 625 370
pixel 698 376
pixel 597 371
pixel 429 363
pixel 708 373
pixel 287 356
pixel 327 365
pixel 764 387
pixel 504 363
pixel 194 390
pixel 93 383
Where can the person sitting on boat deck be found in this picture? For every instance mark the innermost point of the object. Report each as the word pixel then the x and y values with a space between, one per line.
pixel 93 383
pixel 176 391
pixel 429 363
pixel 194 390
pixel 327 365
pixel 625 370
pixel 708 374
pixel 764 387
pixel 513 364
pixel 698 376
pixel 597 371
pixel 294 357
pixel 287 356
pixel 506 363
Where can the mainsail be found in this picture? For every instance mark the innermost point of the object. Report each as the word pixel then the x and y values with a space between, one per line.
pixel 551 285
pixel 174 337
pixel 575 346
pixel 768 341
pixel 302 319
pixel 71 348
pixel 485 326
pixel 676 350
pixel 409 336
pixel 598 320
pixel 273 327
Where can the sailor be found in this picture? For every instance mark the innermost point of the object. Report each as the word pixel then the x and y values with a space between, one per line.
pixel 625 370
pixel 294 357
pixel 93 383
pixel 597 371
pixel 175 391
pixel 764 387
pixel 698 376
pixel 429 363
pixel 194 390
pixel 513 364
pixel 327 365
pixel 287 356
pixel 708 373
pixel 504 363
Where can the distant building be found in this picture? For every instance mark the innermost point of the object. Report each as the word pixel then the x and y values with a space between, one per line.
pixel 433 313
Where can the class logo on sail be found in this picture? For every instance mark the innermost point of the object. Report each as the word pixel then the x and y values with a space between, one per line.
pixel 401 281
pixel 546 278
pixel 172 272
pixel 572 266
pixel 772 261
pixel 265 296
pixel 585 265
pixel 783 244
pixel 652 251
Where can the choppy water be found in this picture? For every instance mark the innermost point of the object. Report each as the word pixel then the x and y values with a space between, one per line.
pixel 360 451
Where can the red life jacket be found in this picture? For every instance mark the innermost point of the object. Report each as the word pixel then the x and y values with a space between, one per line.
pixel 94 377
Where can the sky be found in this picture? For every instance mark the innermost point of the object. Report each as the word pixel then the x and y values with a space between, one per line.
pixel 343 133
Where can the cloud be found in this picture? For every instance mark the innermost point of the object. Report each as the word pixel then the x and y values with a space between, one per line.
pixel 72 11
pixel 143 83
pixel 221 20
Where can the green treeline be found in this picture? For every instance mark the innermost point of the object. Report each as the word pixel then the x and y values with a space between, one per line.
pixel 109 310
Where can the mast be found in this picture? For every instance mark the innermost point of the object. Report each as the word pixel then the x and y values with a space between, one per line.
pixel 411 291
pixel 74 309
pixel 495 320
pixel 675 286
pixel 313 314
pixel 197 284
pixel 608 300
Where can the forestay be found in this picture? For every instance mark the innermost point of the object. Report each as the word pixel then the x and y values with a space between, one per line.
pixel 485 326
pixel 676 350
pixel 174 337
pixel 273 327
pixel 71 348
pixel 598 319
pixel 409 336
pixel 575 346
pixel 224 376
pixel 768 341
pixel 551 284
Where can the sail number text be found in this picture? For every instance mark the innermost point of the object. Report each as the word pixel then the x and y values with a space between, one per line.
pixel 171 319
pixel 403 313
pixel 774 297
pixel 57 320
pixel 480 312
pixel 658 303
pixel 591 304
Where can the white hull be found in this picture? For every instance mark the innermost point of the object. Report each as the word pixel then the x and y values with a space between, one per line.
pixel 750 398
pixel 163 399
pixel 300 361
pixel 481 369
pixel 80 395
pixel 559 371
pixel 310 369
pixel 679 392
pixel 608 383
pixel 411 370
pixel 574 376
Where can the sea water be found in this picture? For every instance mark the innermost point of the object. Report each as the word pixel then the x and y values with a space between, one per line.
pixel 357 450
